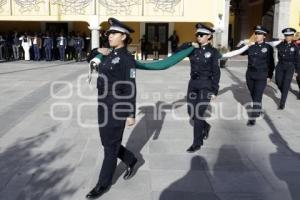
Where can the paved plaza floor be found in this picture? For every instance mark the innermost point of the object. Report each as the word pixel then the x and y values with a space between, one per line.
pixel 50 147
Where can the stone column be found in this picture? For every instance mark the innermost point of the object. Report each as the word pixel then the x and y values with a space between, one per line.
pixel 225 34
pixel 281 17
pixel 244 20
pixel 95 31
pixel 241 26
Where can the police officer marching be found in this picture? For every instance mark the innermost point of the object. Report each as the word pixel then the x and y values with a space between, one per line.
pixel 116 91
pixel 260 70
pixel 297 42
pixel 288 61
pixel 203 84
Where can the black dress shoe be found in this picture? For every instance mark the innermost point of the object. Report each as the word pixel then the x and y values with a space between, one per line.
pixel 281 107
pixel 206 132
pixel 96 192
pixel 193 148
pixel 129 171
pixel 251 122
pixel 298 96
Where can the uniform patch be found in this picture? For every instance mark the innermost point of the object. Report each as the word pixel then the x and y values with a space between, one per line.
pixel 264 50
pixel 293 49
pixel 132 73
pixel 115 60
pixel 207 55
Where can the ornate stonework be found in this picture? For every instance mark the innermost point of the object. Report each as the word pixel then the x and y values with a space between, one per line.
pixel 2 3
pixel 119 7
pixel 165 5
pixel 74 7
pixel 29 5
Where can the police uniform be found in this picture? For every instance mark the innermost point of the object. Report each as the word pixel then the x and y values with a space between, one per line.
pixel 116 90
pixel 203 83
pixel 48 45
pixel 298 73
pixel 288 61
pixel 260 68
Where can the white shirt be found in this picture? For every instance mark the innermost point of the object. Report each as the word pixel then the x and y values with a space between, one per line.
pixel 61 41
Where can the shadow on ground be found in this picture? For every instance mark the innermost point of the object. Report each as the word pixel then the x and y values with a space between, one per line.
pixel 30 175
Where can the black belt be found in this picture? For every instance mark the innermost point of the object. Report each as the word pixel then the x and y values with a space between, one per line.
pixel 110 92
pixel 286 62
pixel 252 69
pixel 200 78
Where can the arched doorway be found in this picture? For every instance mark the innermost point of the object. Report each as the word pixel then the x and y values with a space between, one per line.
pixel 245 14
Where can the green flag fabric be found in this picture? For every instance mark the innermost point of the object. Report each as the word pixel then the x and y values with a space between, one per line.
pixel 161 64
pixel 167 62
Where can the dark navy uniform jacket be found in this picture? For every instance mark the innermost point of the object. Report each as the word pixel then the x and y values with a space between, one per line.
pixel 118 67
pixel 288 54
pixel 205 69
pixel 48 42
pixel 79 43
pixel 260 61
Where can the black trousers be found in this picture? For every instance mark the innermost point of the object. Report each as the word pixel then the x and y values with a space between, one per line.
pixel 298 79
pixel 198 101
pixel 111 133
pixel 144 54
pixel 78 54
pixel 283 77
pixel 174 48
pixel 256 88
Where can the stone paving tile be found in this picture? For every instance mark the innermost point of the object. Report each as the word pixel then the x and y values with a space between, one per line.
pixel 60 160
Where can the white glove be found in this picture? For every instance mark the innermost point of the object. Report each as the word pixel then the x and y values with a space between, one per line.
pixel 94 63
pixel 195 44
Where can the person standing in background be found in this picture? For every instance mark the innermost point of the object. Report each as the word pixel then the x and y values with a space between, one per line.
pixel 48 45
pixel 37 45
pixel 78 45
pixel 16 46
pixel 2 41
pixel 103 40
pixel 174 39
pixel 156 48
pixel 26 44
pixel 144 43
pixel 61 45
pixel 70 47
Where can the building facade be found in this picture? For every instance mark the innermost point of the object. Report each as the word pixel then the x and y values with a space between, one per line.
pixel 232 19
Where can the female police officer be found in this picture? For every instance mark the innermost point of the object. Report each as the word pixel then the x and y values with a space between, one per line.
pixel 260 68
pixel 116 105
pixel 288 61
pixel 204 83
